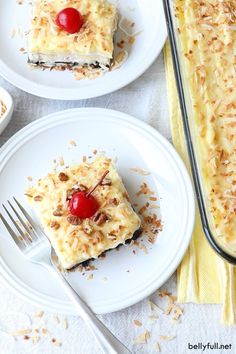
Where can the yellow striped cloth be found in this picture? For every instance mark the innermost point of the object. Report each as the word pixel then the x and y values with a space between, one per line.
pixel 203 277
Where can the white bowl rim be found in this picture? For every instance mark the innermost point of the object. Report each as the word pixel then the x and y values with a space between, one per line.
pixel 9 104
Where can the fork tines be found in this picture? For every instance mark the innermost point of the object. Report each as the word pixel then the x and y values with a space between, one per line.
pixel 23 232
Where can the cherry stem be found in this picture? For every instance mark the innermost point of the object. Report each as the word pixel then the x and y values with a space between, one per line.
pixel 98 184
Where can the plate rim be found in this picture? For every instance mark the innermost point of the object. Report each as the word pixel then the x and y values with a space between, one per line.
pixel 61 305
pixel 56 93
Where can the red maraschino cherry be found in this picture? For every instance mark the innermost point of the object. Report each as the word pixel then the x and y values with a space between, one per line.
pixel 70 20
pixel 83 204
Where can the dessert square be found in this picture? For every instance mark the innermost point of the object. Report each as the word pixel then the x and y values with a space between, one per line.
pixel 74 239
pixel 90 47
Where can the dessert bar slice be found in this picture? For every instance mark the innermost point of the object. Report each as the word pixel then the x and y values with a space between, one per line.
pixel 84 210
pixel 72 34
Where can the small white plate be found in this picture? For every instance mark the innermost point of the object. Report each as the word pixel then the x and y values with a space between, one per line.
pixel 149 20
pixel 123 278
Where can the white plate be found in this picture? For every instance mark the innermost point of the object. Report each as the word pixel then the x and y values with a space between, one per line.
pixel 31 152
pixel 149 18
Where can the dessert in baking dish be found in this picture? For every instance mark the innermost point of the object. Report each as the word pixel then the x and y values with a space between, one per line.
pixel 69 34
pixel 84 210
pixel 207 38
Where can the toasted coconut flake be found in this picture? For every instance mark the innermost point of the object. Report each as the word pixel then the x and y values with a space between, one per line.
pixel 38 198
pixel 56 319
pixel 154 307
pixel 131 40
pixel 142 338
pixel 137 323
pixel 13 33
pixel 39 313
pixel 163 293
pixel 21 332
pixel 86 73
pixel 119 60
pixel 153 318
pixel 177 313
pixel 167 338
pixel 35 339
pixel 90 277
pixel 72 143
pixel 144 190
pixel 61 161
pixel 151 226
pixel 140 171
pixel 65 324
pixel 44 331
pixel 143 248
pixel 153 199
pixel 89 267
pixel 154 206
pixel 22 50
pixel 143 209
pixel 170 305
pixel 157 347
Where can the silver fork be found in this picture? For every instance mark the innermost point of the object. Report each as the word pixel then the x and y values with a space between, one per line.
pixel 35 246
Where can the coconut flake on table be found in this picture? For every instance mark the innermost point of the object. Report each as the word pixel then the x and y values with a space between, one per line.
pixel 157 347
pixel 142 338
pixel 137 323
pixel 154 307
pixel 65 323
pixel 167 338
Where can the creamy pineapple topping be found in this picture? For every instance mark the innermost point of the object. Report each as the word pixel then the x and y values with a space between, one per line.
pixel 208 43
pixel 77 240
pixel 92 45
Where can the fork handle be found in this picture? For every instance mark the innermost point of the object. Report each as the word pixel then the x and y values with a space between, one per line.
pixel 107 341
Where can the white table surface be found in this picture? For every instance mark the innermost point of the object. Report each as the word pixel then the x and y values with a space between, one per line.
pixel 145 99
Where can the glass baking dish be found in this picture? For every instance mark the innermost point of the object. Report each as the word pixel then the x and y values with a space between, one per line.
pixel 190 132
